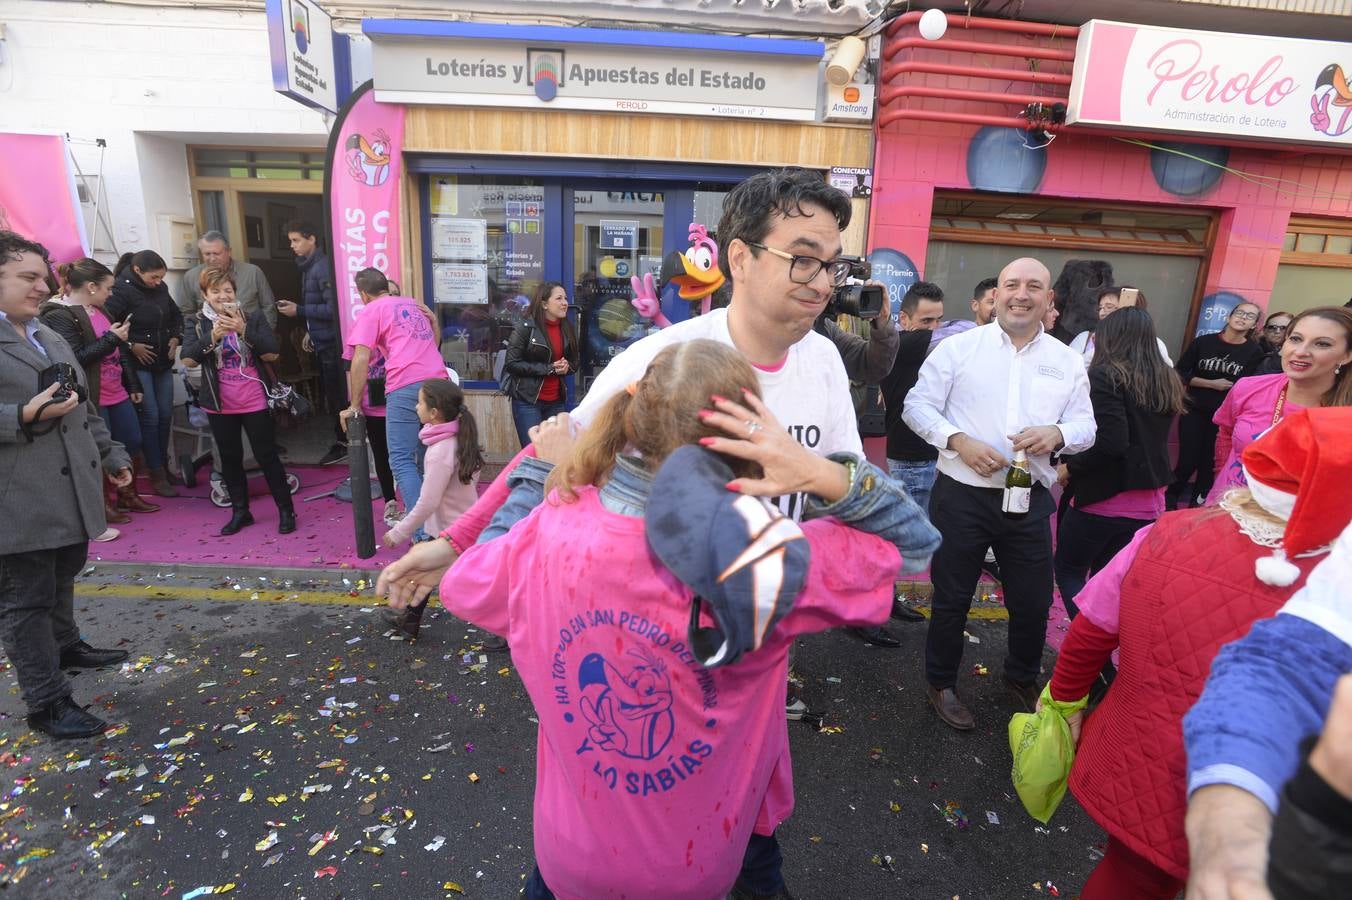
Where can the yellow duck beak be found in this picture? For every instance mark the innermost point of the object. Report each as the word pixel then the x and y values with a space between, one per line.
pixel 696 284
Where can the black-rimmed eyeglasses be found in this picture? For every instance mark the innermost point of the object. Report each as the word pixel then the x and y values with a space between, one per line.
pixel 803 269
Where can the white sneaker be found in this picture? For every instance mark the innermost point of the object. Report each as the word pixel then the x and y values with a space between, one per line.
pixel 795 709
pixel 393 514
pixel 110 534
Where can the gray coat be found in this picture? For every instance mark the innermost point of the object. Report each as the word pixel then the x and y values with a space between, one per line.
pixel 51 489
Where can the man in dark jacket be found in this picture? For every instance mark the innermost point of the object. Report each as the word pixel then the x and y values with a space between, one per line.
pixel 318 308
pixel 51 449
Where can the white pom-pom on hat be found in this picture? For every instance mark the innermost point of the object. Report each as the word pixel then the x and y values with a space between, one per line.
pixel 1276 569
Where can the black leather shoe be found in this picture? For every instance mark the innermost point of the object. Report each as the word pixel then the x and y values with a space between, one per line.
pixel 494 644
pixel 875 635
pixel 286 521
pixel 239 519
pixel 1026 695
pixel 951 709
pixel 337 453
pixel 80 655
pixel 64 719
pixel 905 613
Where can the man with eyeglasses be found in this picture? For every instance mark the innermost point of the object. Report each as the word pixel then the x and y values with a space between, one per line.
pixel 780 235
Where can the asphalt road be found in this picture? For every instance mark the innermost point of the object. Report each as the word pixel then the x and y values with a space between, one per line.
pixel 289 749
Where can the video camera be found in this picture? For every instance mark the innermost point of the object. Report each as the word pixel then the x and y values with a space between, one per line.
pixel 854 297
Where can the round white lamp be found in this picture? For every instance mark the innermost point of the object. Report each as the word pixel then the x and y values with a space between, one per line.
pixel 933 24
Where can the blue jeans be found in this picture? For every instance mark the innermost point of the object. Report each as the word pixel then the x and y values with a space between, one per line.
pixel 406 451
pixel 528 415
pixel 124 425
pixel 916 477
pixel 157 415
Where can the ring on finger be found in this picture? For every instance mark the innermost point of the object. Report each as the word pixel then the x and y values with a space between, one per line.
pixel 752 426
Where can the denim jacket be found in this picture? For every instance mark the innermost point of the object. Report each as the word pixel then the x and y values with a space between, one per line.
pixel 875 504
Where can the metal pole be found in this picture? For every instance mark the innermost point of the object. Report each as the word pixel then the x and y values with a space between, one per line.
pixel 359 467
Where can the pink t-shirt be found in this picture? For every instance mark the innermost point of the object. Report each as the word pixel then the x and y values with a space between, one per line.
pixel 1146 503
pixel 651 770
pixel 375 368
pixel 111 389
pixel 241 387
pixel 398 328
pixel 1246 413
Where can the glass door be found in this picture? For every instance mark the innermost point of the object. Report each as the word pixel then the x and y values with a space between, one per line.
pixel 618 232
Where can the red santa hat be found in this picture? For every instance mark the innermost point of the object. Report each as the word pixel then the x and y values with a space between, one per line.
pixel 1300 470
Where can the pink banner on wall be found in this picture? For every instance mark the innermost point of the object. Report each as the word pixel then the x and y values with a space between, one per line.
pixel 362 180
pixel 37 194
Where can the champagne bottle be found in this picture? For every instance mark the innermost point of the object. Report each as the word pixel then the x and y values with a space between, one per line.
pixel 1018 487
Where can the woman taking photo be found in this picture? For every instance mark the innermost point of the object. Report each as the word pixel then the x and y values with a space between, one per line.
pixel 1118 484
pixel 685 712
pixel 541 351
pixel 1109 301
pixel 233 353
pixel 101 347
pixel 1210 367
pixel 141 297
pixel 1316 371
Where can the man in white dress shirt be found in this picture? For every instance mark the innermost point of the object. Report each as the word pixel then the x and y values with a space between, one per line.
pixel 983 395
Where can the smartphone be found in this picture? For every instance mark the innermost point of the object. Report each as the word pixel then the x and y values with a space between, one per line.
pixel 1127 297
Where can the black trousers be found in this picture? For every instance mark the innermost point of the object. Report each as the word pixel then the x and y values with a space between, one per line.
pixel 229 430
pixel 333 384
pixel 1086 543
pixel 970 520
pixel 37 618
pixel 1196 454
pixel 380 450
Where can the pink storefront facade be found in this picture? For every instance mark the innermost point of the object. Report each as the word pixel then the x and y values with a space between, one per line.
pixel 1198 221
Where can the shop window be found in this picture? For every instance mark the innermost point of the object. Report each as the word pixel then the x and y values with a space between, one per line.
pixel 1314 271
pixel 276 165
pixel 1168 282
pixel 486 239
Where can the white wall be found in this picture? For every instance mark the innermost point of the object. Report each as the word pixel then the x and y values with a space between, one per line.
pixel 149 81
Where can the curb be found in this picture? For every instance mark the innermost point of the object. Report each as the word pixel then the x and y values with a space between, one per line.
pixel 160 572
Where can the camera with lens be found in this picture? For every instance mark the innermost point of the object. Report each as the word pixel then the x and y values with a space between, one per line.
pixel 67 380
pixel 854 298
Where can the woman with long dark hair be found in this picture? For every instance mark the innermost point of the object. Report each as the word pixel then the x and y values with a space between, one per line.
pixel 1210 367
pixel 141 297
pixel 101 347
pixel 1118 484
pixel 541 351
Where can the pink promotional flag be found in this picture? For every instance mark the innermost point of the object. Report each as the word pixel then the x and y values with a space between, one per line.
pixel 37 194
pixel 363 175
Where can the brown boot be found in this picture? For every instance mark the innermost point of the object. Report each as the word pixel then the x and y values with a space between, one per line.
pixel 114 515
pixel 159 483
pixel 130 501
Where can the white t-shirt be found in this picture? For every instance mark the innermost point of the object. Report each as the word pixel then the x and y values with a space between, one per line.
pixel 1083 343
pixel 809 394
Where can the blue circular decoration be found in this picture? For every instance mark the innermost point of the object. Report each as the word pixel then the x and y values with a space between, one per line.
pixel 711 723
pixel 1216 308
pixel 568 717
pixel 1001 159
pixel 894 269
pixel 546 88
pixel 1183 176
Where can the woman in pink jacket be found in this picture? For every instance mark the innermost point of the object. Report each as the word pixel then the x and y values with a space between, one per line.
pixel 650 602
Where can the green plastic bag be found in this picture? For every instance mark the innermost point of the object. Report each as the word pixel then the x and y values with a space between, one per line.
pixel 1043 753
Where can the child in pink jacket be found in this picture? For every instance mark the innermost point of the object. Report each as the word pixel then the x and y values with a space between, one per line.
pixel 451 467
pixel 650 603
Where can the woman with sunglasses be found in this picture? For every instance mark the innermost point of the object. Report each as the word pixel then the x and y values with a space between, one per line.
pixel 1210 367
pixel 1271 340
